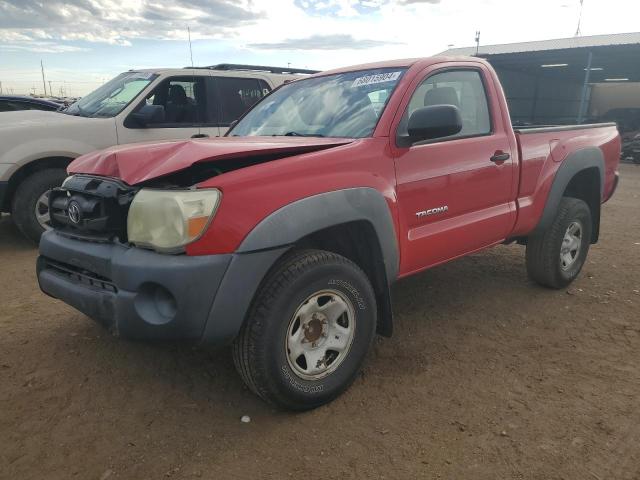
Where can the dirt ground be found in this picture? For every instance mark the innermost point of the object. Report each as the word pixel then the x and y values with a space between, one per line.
pixel 487 377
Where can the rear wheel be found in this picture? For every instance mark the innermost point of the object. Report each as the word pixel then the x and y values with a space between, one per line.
pixel 308 332
pixel 30 208
pixel 555 256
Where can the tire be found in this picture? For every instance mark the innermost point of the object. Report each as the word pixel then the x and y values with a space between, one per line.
pixel 26 197
pixel 551 261
pixel 264 353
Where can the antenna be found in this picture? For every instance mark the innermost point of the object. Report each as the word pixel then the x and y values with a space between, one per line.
pixel 193 76
pixel 190 49
pixel 578 32
pixel 477 42
pixel 44 84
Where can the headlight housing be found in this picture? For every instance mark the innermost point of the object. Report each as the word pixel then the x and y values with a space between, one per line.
pixel 167 220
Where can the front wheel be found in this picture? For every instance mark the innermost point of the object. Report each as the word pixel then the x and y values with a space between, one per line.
pixel 30 207
pixel 308 331
pixel 555 256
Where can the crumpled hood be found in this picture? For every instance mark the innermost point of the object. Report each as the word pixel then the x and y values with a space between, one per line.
pixel 141 162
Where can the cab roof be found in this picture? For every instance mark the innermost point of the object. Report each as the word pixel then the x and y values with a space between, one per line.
pixel 421 62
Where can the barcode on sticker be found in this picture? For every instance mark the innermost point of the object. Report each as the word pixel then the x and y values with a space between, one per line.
pixel 377 78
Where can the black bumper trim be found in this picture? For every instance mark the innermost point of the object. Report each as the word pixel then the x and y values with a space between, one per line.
pixel 154 296
pixel 616 181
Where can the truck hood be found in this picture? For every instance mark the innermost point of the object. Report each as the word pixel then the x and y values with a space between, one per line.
pixel 141 162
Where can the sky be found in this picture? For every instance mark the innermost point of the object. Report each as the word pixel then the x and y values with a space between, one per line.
pixel 83 43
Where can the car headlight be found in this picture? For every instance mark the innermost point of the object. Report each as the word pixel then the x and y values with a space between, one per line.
pixel 167 220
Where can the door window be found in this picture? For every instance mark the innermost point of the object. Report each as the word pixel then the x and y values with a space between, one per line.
pixel 462 88
pixel 178 102
pixel 237 95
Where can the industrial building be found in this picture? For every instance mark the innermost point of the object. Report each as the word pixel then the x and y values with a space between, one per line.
pixel 570 80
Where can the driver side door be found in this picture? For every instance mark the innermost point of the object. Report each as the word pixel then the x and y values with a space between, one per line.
pixel 455 193
pixel 179 107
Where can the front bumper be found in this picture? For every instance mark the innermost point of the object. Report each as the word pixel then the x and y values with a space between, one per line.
pixel 141 294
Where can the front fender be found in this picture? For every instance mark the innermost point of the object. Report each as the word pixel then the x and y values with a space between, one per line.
pixel 304 217
pixel 274 235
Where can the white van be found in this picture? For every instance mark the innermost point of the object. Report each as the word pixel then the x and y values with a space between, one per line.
pixel 136 106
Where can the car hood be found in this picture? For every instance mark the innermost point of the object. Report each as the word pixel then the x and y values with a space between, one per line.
pixel 141 162
pixel 36 119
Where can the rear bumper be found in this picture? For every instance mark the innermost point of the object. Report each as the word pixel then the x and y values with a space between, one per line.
pixel 616 180
pixel 141 294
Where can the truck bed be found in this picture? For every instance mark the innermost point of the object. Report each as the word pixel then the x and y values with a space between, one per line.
pixel 541 151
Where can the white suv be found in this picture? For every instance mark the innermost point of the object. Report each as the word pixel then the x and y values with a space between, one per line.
pixel 136 106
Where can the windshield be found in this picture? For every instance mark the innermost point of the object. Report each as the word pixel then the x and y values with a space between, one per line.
pixel 111 98
pixel 341 105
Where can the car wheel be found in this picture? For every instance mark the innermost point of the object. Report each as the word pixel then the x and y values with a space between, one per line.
pixel 556 255
pixel 308 331
pixel 30 207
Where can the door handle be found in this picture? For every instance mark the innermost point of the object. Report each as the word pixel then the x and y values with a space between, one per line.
pixel 500 157
pixel 200 135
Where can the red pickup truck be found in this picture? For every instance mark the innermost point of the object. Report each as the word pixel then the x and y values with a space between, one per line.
pixel 283 238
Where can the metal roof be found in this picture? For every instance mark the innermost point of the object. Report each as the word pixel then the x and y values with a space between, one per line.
pixel 547 45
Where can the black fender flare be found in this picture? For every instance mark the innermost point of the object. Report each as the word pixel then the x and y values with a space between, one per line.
pixel 311 214
pixel 273 237
pixel 591 157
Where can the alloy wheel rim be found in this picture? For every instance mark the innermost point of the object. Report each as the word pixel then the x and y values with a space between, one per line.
pixel 41 211
pixel 571 243
pixel 320 334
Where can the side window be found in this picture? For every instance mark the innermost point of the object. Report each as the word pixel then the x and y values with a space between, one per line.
pixel 237 95
pixel 176 102
pixel 462 88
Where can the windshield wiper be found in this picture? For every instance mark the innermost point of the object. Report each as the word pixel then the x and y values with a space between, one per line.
pixel 297 134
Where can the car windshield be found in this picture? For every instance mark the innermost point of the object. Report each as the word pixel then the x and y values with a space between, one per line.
pixel 341 105
pixel 112 97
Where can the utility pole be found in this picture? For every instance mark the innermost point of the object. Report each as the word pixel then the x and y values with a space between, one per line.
pixel 477 42
pixel 44 84
pixel 0 88
pixel 50 89
pixel 578 32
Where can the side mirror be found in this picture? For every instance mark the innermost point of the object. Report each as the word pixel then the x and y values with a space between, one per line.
pixel 436 121
pixel 144 116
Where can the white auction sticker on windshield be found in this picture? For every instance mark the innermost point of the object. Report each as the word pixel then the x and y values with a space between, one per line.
pixel 376 78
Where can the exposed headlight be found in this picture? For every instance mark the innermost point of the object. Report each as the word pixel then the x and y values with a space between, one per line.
pixel 167 220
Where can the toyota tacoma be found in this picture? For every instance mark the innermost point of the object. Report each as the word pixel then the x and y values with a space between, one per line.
pixel 283 238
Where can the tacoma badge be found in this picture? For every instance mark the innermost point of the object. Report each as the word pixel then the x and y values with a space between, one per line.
pixel 432 211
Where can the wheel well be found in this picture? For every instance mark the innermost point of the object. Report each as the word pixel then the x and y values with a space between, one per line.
pixel 585 185
pixel 26 170
pixel 358 242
